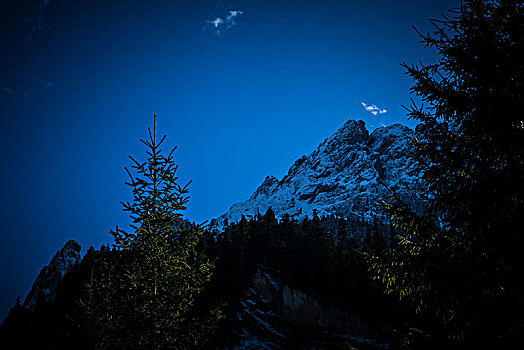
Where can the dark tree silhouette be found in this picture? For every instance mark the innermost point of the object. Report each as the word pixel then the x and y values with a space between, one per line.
pixel 461 261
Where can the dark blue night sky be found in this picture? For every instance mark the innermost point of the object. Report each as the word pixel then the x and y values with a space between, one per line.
pixel 243 88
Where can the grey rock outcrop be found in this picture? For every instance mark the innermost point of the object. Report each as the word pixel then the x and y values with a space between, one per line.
pixel 44 287
pixel 273 315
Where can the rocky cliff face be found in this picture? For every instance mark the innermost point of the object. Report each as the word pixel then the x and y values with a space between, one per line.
pixel 44 287
pixel 347 175
pixel 273 315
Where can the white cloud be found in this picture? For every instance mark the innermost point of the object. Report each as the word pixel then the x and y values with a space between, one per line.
pixel 216 22
pixel 373 109
pixel 233 14
pixel 221 24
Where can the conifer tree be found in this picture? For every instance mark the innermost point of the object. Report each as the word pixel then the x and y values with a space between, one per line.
pixel 461 261
pixel 142 295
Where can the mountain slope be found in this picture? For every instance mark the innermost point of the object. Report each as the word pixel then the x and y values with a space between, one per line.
pixel 47 281
pixel 347 175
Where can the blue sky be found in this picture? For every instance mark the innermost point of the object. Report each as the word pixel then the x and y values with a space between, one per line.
pixel 242 97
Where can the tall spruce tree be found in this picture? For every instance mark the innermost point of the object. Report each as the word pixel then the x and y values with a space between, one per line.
pixel 461 261
pixel 142 294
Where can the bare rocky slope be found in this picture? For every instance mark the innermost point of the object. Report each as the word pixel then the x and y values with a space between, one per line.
pixel 45 286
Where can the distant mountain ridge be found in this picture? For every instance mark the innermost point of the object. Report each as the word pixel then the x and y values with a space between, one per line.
pixel 347 175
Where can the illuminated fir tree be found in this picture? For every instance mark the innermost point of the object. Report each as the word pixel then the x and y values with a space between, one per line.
pixel 142 294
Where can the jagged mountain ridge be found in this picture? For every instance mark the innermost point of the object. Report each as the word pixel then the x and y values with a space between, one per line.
pixel 46 283
pixel 347 175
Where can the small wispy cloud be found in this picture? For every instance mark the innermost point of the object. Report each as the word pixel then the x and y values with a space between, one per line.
pixel 36 19
pixel 373 109
pixel 40 83
pixel 47 85
pixel 221 24
pixel 7 90
pixel 232 15
pixel 28 87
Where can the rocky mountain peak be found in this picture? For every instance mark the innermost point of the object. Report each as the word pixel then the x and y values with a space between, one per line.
pixel 347 175
pixel 44 287
pixel 353 131
pixel 266 188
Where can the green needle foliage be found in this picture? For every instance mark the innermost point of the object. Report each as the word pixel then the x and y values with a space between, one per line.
pixel 461 262
pixel 142 294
